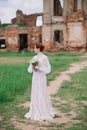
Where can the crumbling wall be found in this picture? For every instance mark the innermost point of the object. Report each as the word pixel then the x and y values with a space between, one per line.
pixel 72 23
pixel 76 40
pixel 35 37
pixel 12 33
pixel 12 37
pixel 27 20
pixel 85 28
pixel 76 37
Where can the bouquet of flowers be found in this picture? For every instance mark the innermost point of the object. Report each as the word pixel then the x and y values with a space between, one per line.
pixel 34 62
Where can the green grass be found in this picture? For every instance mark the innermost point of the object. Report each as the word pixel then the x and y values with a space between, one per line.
pixel 75 92
pixel 14 80
pixel 18 54
pixel 15 88
pixel 60 62
pixel 78 126
pixel 10 24
pixel 11 127
pixel 77 88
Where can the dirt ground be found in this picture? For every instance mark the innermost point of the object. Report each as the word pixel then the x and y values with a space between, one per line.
pixel 13 59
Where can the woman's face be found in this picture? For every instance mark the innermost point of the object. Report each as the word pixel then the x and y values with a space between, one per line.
pixel 36 50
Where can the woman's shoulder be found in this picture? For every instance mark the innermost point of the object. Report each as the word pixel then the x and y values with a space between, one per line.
pixel 45 56
pixel 34 57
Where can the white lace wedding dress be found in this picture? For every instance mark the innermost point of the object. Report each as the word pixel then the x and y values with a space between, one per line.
pixel 40 105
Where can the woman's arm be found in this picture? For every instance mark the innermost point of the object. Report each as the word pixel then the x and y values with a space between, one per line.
pixel 45 67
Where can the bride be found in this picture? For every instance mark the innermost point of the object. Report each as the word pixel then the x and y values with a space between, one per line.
pixel 40 105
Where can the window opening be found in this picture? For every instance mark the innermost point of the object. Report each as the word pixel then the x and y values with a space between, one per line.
pixel 58 36
pixel 75 5
pixel 58 7
pixel 39 21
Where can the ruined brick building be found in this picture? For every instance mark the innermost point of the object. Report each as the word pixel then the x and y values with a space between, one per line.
pixel 21 34
pixel 64 28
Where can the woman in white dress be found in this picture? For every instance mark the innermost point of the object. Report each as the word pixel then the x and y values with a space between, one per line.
pixel 40 105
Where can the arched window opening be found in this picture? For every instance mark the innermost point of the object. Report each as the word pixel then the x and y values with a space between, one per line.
pixel 39 21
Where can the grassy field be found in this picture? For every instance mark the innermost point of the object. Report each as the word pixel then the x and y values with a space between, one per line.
pixel 73 101
pixel 15 88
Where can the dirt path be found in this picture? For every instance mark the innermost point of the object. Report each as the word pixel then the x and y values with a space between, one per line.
pixel 13 60
pixel 52 89
pixel 64 76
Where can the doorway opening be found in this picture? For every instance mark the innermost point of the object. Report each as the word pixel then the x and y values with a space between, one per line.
pixel 2 43
pixel 23 41
pixel 58 36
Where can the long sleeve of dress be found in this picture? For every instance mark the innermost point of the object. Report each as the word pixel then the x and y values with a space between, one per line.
pixel 45 67
pixel 30 70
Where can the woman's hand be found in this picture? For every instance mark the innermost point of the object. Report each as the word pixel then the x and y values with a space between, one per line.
pixel 36 67
pixel 33 67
